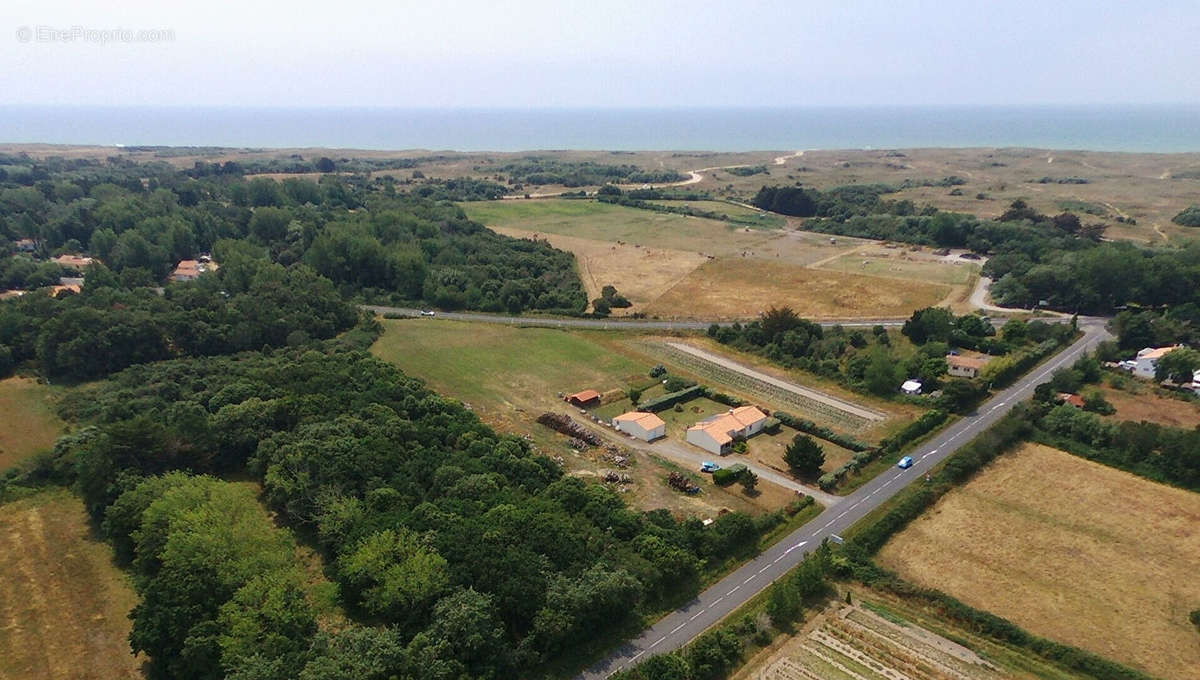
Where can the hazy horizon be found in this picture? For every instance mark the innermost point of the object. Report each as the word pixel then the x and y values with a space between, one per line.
pixel 470 54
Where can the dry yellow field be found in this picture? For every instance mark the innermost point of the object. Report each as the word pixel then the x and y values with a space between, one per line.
pixel 1071 550
pixel 641 274
pixel 63 604
pixel 1152 408
pixel 30 424
pixel 738 288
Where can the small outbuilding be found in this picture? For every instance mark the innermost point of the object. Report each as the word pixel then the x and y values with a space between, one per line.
pixel 584 399
pixel 1071 399
pixel 965 367
pixel 644 426
pixel 911 387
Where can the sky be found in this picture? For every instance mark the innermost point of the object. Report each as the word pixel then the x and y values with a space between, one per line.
pixel 599 53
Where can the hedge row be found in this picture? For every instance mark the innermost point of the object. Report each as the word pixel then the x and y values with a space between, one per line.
pixel 1010 430
pixel 998 628
pixel 722 398
pixel 1022 363
pixel 928 422
pixel 809 427
pixel 729 475
pixel 666 401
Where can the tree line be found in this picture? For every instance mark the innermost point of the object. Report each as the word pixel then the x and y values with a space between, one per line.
pixel 372 241
pixel 469 554
pixel 1035 259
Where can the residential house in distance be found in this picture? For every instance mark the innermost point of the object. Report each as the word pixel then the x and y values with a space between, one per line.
pixel 644 426
pixel 25 245
pixel 1147 360
pixel 716 434
pixel 1071 399
pixel 1196 381
pixel 965 367
pixel 73 261
pixel 190 270
pixel 584 399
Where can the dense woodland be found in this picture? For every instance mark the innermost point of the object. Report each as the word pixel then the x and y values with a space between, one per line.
pixel 371 240
pixel 540 170
pixel 1033 258
pixel 466 552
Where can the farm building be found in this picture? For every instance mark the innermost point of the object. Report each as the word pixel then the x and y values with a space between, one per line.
pixel 1147 360
pixel 716 434
pixel 644 426
pixel 584 398
pixel 911 387
pixel 25 245
pixel 965 367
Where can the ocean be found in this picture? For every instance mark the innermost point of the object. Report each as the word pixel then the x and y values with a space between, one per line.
pixel 1135 129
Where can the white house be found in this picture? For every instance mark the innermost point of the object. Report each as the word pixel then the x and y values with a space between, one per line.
pixel 644 426
pixel 1147 360
pixel 716 434
pixel 911 387
pixel 1196 381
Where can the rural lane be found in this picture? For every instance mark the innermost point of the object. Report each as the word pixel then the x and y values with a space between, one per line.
pixel 683 625
pixel 604 324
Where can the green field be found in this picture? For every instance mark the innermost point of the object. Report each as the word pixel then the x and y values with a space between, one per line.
pixel 503 365
pixel 738 213
pixel 30 424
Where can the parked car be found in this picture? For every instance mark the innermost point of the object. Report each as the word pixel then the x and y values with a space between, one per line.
pixel 428 312
pixel 905 463
pixel 709 467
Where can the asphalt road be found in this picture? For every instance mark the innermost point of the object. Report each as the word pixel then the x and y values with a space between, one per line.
pixel 602 324
pixel 682 626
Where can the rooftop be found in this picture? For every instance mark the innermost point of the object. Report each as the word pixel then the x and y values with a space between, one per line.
pixel 1156 352
pixel 966 362
pixel 648 421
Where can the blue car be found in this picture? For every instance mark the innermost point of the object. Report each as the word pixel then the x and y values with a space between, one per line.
pixel 709 467
pixel 905 463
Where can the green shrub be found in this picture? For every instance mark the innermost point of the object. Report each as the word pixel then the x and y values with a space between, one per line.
pixel 1189 217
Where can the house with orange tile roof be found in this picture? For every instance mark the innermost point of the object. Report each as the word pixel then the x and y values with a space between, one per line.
pixel 73 261
pixel 190 270
pixel 716 434
pixel 644 426
pixel 1071 399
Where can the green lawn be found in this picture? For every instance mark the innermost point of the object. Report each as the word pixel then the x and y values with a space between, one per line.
pixel 490 363
pixel 738 213
pixel 29 423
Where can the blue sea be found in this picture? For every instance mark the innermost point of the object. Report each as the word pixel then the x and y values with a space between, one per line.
pixel 1144 129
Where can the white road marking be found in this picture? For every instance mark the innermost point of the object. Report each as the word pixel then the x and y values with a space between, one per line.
pixel 764 569
pixel 718 600
pixel 655 643
pixel 697 615
pixel 735 589
pixel 677 629
pixel 749 579
pixel 800 544
pixel 778 558
pixel 635 656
